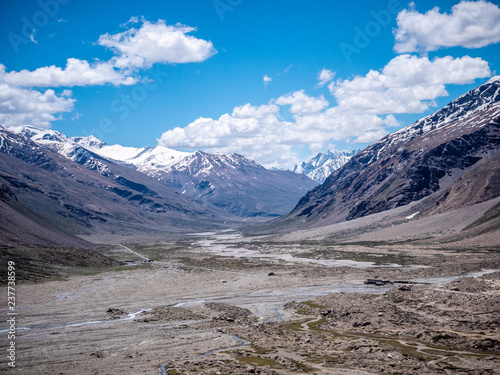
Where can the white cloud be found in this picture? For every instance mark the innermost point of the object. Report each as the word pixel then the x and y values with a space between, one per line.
pixel 259 132
pixel 157 43
pixel 32 36
pixel 152 43
pixel 250 111
pixel 363 113
pixel 132 20
pixel 255 132
pixel 370 136
pixel 287 69
pixel 301 103
pixel 471 24
pixel 407 84
pixel 76 73
pixel 325 76
pixel 20 106
pixel 266 79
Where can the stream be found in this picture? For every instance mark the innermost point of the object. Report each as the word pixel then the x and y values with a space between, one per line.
pixel 268 304
pixel 213 245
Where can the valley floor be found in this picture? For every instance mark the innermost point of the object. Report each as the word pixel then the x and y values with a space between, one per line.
pixel 219 304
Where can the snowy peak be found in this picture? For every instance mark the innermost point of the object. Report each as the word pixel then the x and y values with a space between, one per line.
pixel 229 182
pixel 145 159
pixel 90 142
pixel 51 139
pixel 63 145
pixel 494 79
pixel 47 137
pixel 234 183
pixel 462 109
pixel 324 164
pixel 153 158
pixel 440 154
pixel 202 164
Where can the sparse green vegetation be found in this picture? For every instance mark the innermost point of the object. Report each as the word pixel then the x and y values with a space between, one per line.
pixel 314 305
pixel 257 361
pixel 302 367
pixel 314 325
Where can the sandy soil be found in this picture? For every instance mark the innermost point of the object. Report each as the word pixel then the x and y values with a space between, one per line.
pixel 300 313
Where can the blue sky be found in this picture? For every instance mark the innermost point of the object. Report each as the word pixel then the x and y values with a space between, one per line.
pixel 207 90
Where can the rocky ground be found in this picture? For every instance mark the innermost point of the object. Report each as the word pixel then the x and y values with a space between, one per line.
pixel 198 309
pixel 410 329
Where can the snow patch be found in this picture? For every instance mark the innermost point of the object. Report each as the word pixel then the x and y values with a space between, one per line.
pixel 412 215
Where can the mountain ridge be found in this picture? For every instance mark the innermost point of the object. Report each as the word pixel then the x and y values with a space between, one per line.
pixel 323 164
pixel 228 182
pixel 421 161
pixel 47 199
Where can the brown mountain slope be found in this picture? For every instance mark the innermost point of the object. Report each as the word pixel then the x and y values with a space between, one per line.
pixel 422 162
pixel 46 199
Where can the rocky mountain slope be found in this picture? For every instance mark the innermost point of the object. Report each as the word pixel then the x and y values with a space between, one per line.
pixel 450 158
pixel 231 183
pixel 319 167
pixel 235 183
pixel 46 199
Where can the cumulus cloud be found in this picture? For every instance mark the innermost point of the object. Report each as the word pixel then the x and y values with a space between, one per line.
pixel 407 84
pixel 134 48
pixel 76 73
pixel 471 24
pixel 301 103
pixel 20 106
pixel 325 76
pixel 365 104
pixel 157 42
pixel 258 132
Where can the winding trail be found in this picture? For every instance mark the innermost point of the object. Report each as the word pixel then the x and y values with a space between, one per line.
pixel 279 316
pixel 136 253
pixel 409 343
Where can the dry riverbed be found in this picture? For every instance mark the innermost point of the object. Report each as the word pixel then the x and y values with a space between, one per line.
pixel 215 304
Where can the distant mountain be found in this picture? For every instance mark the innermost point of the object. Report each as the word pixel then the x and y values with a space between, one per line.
pixel 47 199
pixel 63 145
pixel 235 183
pixel 323 164
pixel 230 182
pixel 144 159
pixel 450 158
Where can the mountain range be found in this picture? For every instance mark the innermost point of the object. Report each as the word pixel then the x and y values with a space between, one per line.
pixel 444 161
pixel 232 182
pixel 323 164
pixel 46 198
pixel 53 187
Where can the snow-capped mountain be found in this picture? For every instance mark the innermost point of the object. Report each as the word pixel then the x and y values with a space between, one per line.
pixel 145 159
pixel 450 158
pixel 232 182
pixel 63 145
pixel 47 198
pixel 470 110
pixel 235 183
pixel 319 167
pixel 229 181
